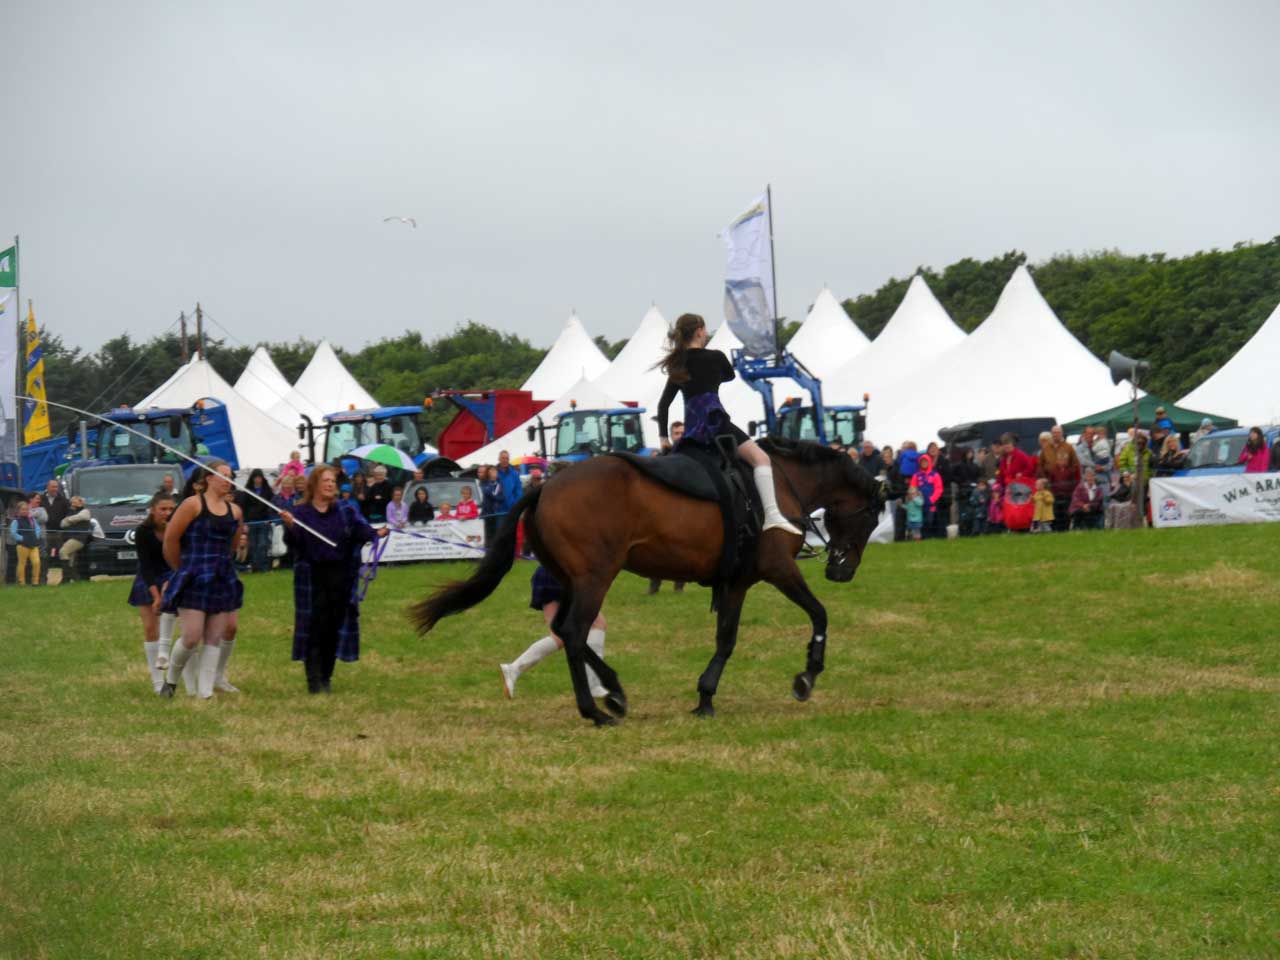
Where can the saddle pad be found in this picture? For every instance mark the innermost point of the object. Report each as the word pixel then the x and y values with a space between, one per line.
pixel 677 471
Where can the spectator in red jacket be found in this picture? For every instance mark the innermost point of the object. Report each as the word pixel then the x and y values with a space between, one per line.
pixel 1086 503
pixel 1014 464
pixel 1063 476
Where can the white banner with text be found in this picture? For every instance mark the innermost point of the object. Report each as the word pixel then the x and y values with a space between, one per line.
pixel 1219 498
pixel 437 540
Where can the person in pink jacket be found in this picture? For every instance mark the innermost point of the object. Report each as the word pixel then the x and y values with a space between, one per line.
pixel 1255 456
pixel 929 483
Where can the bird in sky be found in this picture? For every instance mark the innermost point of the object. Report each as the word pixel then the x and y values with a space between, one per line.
pixel 409 220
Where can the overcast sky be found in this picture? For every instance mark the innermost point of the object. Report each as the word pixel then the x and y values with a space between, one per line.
pixel 561 156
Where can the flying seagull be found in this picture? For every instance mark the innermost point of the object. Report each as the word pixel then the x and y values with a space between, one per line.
pixel 409 220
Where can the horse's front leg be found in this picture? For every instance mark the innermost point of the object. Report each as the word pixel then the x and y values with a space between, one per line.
pixel 794 587
pixel 728 615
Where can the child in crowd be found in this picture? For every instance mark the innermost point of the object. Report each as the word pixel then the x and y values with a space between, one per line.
pixel 397 510
pixel 26 532
pixel 467 508
pixel 443 512
pixel 914 506
pixel 1042 518
pixel 979 505
pixel 995 512
pixel 294 468
pixel 421 511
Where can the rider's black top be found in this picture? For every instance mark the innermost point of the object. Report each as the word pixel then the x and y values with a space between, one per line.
pixel 707 370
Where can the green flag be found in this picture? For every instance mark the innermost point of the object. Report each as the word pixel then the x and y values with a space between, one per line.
pixel 9 267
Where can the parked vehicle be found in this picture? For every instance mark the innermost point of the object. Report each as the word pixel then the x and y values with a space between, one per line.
pixel 1219 452
pixel 117 496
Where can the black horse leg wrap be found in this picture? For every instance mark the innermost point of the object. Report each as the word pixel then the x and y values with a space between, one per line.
pixel 817 654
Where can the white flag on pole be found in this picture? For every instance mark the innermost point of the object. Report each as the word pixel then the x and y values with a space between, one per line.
pixel 8 374
pixel 748 285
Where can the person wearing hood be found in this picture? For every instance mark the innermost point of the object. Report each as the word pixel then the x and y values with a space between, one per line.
pixel 257 517
pixel 1206 428
pixel 928 482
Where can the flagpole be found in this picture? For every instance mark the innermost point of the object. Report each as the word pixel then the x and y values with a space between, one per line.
pixel 19 427
pixel 773 270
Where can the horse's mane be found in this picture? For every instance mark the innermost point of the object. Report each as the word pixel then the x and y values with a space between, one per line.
pixel 807 453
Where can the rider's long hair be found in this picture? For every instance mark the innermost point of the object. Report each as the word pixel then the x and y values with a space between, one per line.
pixel 678 339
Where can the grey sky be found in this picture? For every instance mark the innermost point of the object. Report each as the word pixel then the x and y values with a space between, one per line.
pixel 585 156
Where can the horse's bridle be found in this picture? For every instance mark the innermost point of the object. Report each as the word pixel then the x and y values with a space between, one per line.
pixel 836 556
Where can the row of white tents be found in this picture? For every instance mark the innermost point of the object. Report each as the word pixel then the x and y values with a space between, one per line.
pixel 922 373
pixel 263 408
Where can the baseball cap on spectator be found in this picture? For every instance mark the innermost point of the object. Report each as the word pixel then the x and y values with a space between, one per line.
pixel 1162 420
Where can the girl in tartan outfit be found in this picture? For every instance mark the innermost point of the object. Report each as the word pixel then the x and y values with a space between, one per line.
pixel 199 545
pixel 326 623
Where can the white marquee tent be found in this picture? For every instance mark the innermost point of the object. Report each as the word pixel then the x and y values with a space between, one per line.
pixel 573 357
pixel 1021 362
pixel 262 383
pixel 827 339
pixel 919 331
pixel 1246 387
pixel 633 377
pixel 516 442
pixel 326 386
pixel 260 440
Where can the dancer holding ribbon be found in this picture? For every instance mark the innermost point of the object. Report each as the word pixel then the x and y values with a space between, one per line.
pixel 326 625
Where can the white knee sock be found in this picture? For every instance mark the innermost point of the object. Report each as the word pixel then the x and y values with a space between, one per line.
pixel 595 640
pixel 149 649
pixel 220 681
pixel 181 654
pixel 538 650
pixel 769 500
pixel 191 672
pixel 165 643
pixel 208 670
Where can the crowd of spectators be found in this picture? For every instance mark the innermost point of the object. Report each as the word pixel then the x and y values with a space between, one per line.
pixel 1082 483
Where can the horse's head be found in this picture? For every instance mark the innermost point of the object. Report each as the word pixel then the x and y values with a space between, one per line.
pixel 851 497
pixel 851 517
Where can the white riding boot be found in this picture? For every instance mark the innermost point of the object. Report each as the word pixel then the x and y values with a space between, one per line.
pixel 769 500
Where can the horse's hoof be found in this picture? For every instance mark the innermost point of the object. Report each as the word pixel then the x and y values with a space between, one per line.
pixel 616 703
pixel 604 720
pixel 802 686
pixel 704 710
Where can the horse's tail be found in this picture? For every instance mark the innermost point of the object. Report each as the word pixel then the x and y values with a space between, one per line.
pixel 498 558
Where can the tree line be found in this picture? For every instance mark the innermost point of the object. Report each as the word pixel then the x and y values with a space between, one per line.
pixel 1187 315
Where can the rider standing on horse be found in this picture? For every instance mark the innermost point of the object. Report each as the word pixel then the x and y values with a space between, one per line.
pixel 697 373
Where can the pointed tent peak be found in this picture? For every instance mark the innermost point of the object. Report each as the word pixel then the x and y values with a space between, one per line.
pixel 327 381
pixel 574 355
pixel 1021 311
pixel 828 338
pixel 261 382
pixel 920 310
pixel 1245 387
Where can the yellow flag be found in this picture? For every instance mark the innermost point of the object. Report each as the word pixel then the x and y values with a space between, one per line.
pixel 35 414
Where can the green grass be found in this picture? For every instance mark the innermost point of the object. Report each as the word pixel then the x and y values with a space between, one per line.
pixel 1060 746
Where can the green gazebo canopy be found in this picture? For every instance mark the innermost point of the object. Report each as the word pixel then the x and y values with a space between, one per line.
pixel 1121 417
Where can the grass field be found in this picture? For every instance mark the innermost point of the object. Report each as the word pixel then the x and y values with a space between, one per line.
pixel 1060 746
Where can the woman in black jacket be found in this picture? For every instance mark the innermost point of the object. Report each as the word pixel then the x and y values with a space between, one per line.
pixel 257 517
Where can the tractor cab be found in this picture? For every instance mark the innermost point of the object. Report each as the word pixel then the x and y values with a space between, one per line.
pixel 581 434
pixel 342 432
pixel 844 425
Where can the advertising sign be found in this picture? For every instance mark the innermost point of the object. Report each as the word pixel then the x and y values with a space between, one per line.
pixel 1220 498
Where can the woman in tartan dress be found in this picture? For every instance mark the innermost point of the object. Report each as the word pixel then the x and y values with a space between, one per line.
pixel 199 545
pixel 326 623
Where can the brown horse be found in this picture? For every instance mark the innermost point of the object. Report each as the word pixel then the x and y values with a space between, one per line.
pixel 595 519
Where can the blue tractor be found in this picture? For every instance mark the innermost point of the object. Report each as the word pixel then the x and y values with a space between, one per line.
pixel 344 431
pixel 794 420
pixel 200 430
pixel 581 434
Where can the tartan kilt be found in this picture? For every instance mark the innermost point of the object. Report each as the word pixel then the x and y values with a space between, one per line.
pixel 348 632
